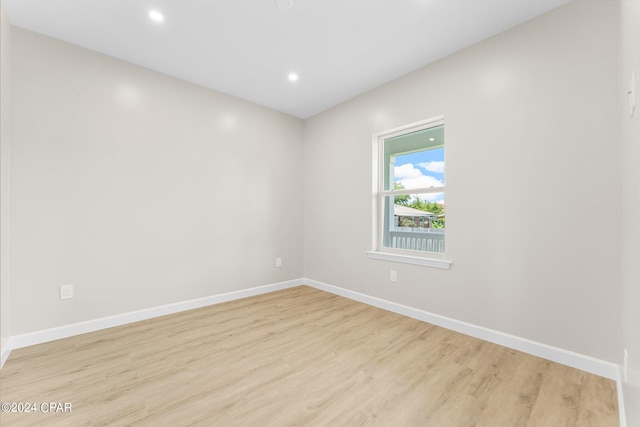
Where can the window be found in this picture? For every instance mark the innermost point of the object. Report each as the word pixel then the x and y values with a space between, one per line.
pixel 409 194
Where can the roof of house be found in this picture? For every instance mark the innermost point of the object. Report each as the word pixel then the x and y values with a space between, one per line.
pixel 400 210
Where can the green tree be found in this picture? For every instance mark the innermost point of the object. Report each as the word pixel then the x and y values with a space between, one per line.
pixel 431 207
pixel 402 199
pixel 423 205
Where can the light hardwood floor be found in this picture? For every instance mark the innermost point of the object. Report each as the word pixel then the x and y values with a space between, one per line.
pixel 298 357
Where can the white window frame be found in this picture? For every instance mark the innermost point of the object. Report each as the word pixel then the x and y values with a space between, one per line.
pixel 378 251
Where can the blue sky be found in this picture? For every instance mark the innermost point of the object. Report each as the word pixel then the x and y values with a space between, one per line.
pixel 421 169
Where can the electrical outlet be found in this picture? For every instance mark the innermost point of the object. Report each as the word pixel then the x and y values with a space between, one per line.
pixel 625 367
pixel 278 262
pixel 66 291
pixel 393 276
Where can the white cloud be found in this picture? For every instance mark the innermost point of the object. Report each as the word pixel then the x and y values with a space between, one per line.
pixel 411 177
pixel 421 181
pixel 406 171
pixel 433 166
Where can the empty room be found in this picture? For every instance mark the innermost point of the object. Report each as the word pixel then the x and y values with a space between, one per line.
pixel 320 213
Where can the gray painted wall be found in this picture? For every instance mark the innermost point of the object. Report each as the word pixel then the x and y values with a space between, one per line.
pixel 532 170
pixel 140 189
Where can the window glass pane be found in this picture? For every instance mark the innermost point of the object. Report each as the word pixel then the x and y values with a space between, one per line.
pixel 414 222
pixel 415 160
pixel 422 169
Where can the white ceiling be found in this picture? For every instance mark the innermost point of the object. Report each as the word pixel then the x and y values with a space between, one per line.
pixel 247 48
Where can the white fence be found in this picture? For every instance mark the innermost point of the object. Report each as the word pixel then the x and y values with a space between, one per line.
pixel 417 239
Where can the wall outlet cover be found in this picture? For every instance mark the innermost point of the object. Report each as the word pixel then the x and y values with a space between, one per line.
pixel 66 291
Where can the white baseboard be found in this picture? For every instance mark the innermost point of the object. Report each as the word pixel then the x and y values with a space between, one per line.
pixel 46 335
pixel 5 351
pixel 565 357
pixel 555 354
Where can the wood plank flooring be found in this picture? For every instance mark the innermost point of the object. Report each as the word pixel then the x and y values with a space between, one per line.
pixel 297 357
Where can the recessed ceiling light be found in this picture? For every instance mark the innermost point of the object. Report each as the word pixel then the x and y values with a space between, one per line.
pixel 293 77
pixel 284 4
pixel 156 16
pixel 432 139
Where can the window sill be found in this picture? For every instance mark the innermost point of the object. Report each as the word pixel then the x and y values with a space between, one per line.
pixel 407 259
